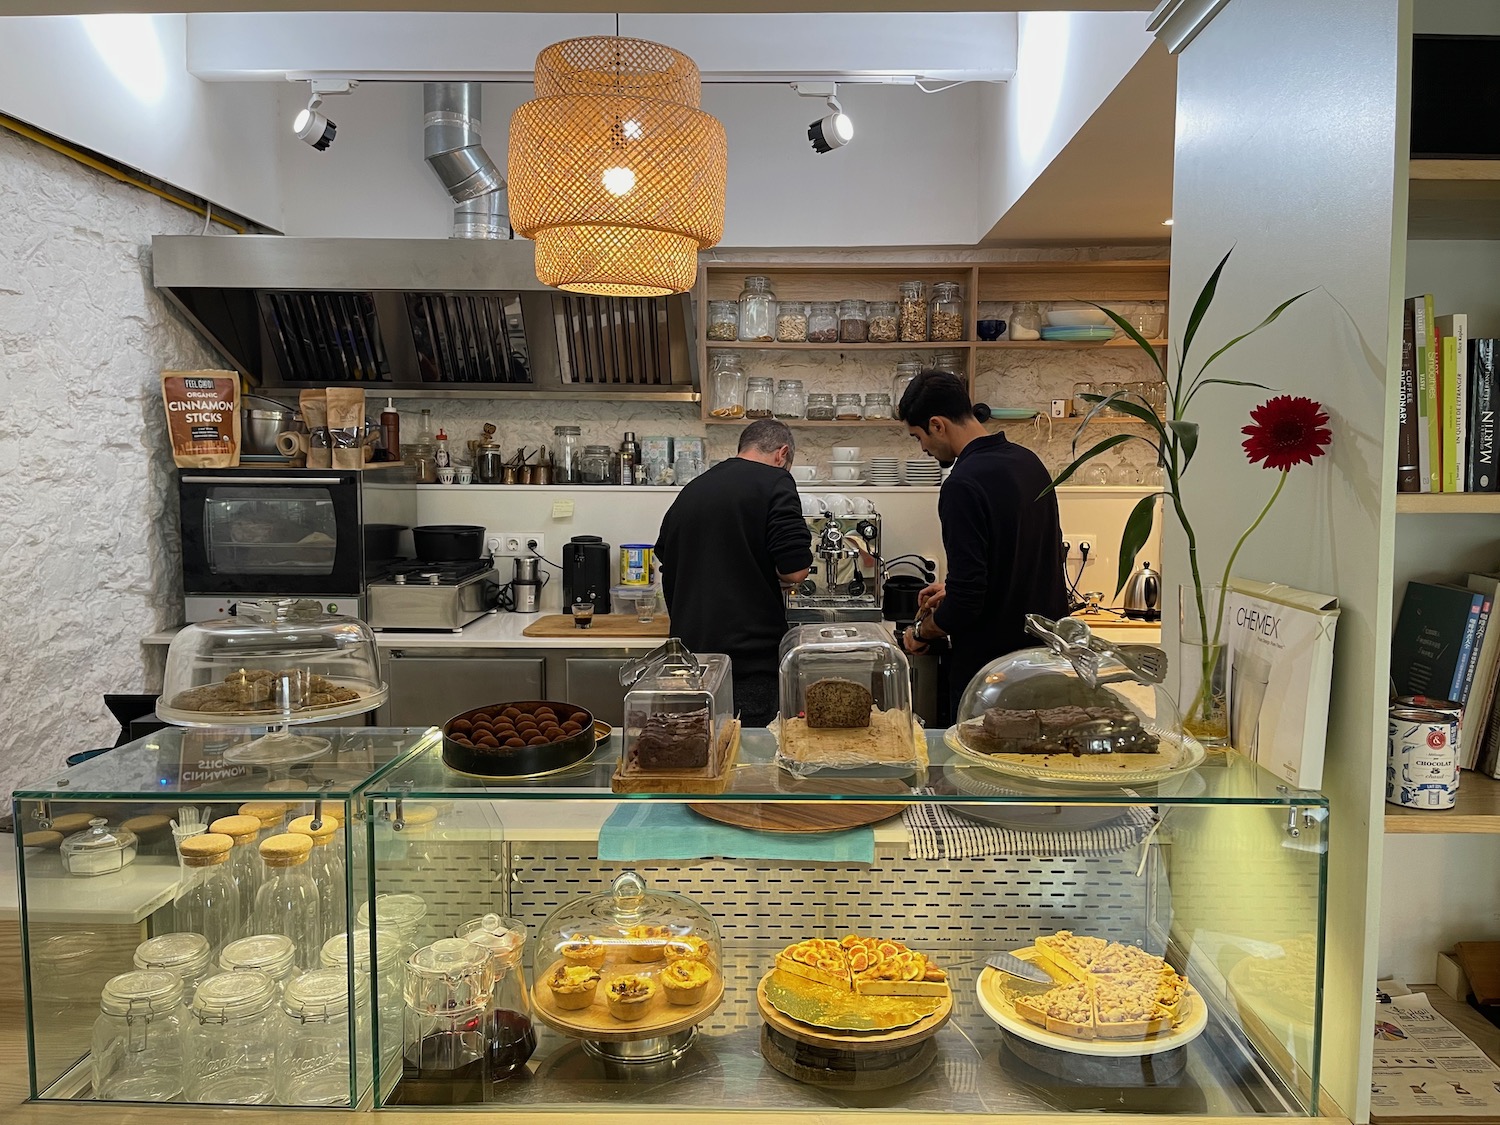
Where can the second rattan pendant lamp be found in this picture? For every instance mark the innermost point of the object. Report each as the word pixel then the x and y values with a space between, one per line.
pixel 613 169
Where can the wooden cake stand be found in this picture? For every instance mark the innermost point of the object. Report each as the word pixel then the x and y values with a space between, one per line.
pixel 864 1060
pixel 654 1037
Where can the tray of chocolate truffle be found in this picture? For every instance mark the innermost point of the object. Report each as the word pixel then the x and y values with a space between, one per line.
pixel 527 738
pixel 680 734
pixel 1079 712
pixel 846 703
pixel 631 971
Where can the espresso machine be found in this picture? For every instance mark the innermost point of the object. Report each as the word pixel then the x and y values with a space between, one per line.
pixel 844 584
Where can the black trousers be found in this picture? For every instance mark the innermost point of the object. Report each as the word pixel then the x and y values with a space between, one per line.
pixel 757 698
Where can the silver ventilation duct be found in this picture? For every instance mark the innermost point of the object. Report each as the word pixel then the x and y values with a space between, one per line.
pixel 450 127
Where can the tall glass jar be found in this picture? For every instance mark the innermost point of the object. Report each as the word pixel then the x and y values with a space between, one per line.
pixel 565 446
pixel 231 1040
pixel 854 322
pixel 759 398
pixel 136 1052
pixel 848 407
pixel 728 379
pixel 313 1052
pixel 819 407
pixel 822 322
pixel 326 863
pixel 791 322
pixel 186 954
pixel 906 371
pixel 952 362
pixel 947 319
pixel 272 954
pixel 885 322
pixel 789 399
pixel 877 405
pixel 512 1034
pixel 287 902
pixel 723 320
pixel 757 309
pixel 243 866
pixel 207 901
pixel 912 317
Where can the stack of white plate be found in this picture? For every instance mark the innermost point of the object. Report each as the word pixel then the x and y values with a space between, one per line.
pixel 925 471
pixel 884 471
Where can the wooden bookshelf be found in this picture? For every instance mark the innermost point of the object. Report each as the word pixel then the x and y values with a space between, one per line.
pixel 1454 199
pixel 1447 503
pixel 1476 813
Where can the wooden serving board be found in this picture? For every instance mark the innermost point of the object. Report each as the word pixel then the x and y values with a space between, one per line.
pixel 924 1028
pixel 729 752
pixel 605 624
pixel 797 816
pixel 595 1023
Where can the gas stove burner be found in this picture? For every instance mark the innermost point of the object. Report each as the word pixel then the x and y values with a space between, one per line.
pixel 413 572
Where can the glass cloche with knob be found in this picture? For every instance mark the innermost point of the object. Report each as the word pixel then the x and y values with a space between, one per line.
pixel 1076 710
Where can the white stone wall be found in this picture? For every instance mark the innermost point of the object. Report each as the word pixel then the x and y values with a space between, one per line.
pixel 88 510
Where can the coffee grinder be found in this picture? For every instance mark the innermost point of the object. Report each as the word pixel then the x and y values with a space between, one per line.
pixel 526 586
pixel 586 574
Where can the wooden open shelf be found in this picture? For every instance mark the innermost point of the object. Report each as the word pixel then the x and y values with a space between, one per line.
pixel 1454 199
pixel 762 346
pixel 1477 812
pixel 1447 503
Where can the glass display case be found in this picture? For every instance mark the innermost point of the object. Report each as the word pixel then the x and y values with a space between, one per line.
pixel 853 967
pixel 100 930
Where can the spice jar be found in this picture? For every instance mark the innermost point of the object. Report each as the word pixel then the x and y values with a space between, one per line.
pixel 565 454
pixel 789 400
pixel 759 398
pixel 819 407
pixel 313 1051
pixel 822 323
pixel 848 408
pixel 757 320
pixel 854 322
pixel 913 311
pixel 137 1042
pixel 1026 322
pixel 728 379
pixel 791 322
pixel 906 371
pixel 723 320
pixel 230 1044
pixel 947 320
pixel 884 325
pixel 877 405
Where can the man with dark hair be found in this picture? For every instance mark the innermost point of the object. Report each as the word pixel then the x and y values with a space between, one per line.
pixel 728 544
pixel 1002 537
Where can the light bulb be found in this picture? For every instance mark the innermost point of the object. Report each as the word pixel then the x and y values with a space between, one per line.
pixel 619 181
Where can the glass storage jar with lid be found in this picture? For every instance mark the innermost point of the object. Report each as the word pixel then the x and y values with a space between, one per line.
pixel 1074 708
pixel 723 320
pixel 790 401
pixel 565 444
pixel 512 1034
pixel 387 985
pixel 819 407
pixel 759 397
pixel 757 309
pixel 98 850
pixel 207 902
pixel 654 949
pixel 313 1052
pixel 791 322
pixel 947 317
pixel 69 972
pixel 912 317
pixel 278 663
pixel 906 371
pixel 1026 321
pixel 287 901
pixel 676 709
pixel 231 1040
pixel 273 954
pixel 848 407
pixel 884 322
pixel 136 1053
pixel 951 362
pixel 854 321
pixel 728 378
pixel 401 913
pixel 822 322
pixel 838 678
pixel 595 464
pixel 877 405
pixel 186 954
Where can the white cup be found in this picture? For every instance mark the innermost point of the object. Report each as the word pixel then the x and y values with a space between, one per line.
pixel 811 505
pixel 845 472
pixel 838 504
pixel 846 453
pixel 863 505
pixel 804 472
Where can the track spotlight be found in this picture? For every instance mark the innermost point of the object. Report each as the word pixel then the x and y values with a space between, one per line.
pixel 834 130
pixel 311 126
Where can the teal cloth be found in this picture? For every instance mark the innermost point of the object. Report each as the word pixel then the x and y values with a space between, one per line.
pixel 643 830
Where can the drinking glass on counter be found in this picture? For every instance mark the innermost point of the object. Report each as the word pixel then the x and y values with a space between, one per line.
pixel 583 614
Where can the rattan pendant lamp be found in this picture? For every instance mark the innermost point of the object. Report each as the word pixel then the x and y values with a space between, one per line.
pixel 613 169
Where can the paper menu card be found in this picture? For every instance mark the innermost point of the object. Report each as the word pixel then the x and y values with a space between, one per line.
pixel 1425 1068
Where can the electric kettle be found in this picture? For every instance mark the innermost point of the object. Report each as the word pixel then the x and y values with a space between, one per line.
pixel 1141 597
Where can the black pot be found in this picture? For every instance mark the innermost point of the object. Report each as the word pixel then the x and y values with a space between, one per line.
pixel 448 542
pixel 899 596
pixel 382 540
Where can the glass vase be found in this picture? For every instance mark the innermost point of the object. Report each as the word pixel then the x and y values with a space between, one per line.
pixel 1202 665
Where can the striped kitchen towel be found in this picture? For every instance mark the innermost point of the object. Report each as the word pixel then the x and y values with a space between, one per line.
pixel 937 832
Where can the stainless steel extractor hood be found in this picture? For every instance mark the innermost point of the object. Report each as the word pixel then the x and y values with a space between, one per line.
pixel 454 317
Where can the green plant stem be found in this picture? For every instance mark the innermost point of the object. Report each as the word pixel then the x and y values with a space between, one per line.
pixel 1229 566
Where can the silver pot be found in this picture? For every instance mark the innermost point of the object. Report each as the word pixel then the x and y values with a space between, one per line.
pixel 259 425
pixel 1141 597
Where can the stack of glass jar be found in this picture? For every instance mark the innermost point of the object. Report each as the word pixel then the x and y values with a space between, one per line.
pixel 757 317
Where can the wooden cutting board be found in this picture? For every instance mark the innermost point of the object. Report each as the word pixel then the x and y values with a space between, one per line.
pixel 803 816
pixel 605 624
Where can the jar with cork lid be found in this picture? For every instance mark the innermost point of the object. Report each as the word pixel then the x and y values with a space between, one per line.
pixel 326 864
pixel 243 865
pixel 208 902
pixel 287 902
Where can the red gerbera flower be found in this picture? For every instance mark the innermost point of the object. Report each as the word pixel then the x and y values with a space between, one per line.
pixel 1285 431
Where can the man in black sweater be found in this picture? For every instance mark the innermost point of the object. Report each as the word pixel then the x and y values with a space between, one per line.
pixel 729 542
pixel 1001 535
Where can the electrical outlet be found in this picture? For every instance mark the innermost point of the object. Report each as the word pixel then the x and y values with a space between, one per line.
pixel 1081 544
pixel 494 543
pixel 517 542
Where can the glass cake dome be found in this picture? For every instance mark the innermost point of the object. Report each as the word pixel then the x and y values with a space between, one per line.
pixel 277 663
pixel 1080 710
pixel 628 928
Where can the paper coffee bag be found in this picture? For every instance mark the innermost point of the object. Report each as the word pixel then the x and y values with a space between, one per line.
pixel 203 418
